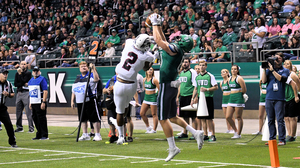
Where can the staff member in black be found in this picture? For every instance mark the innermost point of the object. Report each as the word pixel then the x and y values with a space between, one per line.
pixel 22 101
pixel 6 90
pixel 38 92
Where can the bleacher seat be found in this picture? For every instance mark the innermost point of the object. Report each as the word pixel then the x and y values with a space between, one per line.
pixel 36 42
pixel 284 15
pixel 35 47
pixel 277 44
pixel 238 48
pixel 236 23
pixel 115 60
pixel 250 56
pixel 236 30
pixel 106 61
pixel 282 21
pixel 205 26
pixel 118 53
pixel 229 48
pixel 268 45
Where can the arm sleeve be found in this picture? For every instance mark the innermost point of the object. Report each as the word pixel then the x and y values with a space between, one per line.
pixel 213 80
pixel 194 75
pixel 44 84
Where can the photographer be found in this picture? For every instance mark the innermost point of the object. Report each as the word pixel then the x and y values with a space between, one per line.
pixel 276 76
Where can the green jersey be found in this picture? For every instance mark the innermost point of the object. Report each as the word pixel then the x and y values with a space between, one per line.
pixel 170 64
pixel 149 85
pixel 236 98
pixel 206 80
pixel 223 48
pixel 289 93
pixel 187 79
pixel 226 90
pixel 263 93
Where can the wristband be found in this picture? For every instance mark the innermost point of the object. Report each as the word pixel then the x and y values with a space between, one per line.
pixel 44 102
pixel 272 70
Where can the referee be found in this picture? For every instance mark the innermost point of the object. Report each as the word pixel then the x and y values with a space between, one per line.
pixel 6 90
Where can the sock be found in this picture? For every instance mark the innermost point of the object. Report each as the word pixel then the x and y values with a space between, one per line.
pixel 171 142
pixel 97 134
pixel 121 131
pixel 85 134
pixel 191 129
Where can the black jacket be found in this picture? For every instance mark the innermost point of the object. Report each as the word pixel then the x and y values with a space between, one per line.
pixel 20 80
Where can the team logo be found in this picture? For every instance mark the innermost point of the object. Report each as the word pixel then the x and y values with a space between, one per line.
pixel 147 86
pixel 79 89
pixel 183 79
pixel 232 85
pixel 33 93
pixel 202 82
pixel 224 87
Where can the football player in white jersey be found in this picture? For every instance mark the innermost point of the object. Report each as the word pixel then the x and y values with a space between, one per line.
pixel 135 57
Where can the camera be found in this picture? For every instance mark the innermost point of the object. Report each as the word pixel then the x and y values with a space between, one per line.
pixel 271 60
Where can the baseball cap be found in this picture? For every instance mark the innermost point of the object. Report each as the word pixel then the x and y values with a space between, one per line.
pixel 283 37
pixel 243 27
pixel 113 30
pixel 229 26
pixel 3 70
pixel 213 33
pixel 25 46
pixel 212 17
pixel 30 48
pixel 114 15
pixel 129 30
pixel 101 16
pixel 263 3
pixel 36 68
pixel 223 27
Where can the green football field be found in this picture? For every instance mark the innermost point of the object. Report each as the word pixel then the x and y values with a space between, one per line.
pixel 147 150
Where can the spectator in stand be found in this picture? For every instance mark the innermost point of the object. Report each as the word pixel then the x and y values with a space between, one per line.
pixel 239 14
pixel 102 49
pixel 274 15
pixel 274 30
pixel 290 5
pixel 200 34
pixel 259 34
pixel 192 33
pixel 133 28
pixel 269 13
pixel 81 30
pixel 264 8
pixel 296 25
pixel 81 55
pixel 73 29
pixel 288 27
pixel 184 29
pixel 226 21
pixel 42 48
pixel 220 57
pixel 284 45
pixel 222 14
pixel 245 20
pixel 50 42
pixel 210 31
pixel 257 14
pixel 13 61
pixel 175 33
pixel 198 22
pixel 173 21
pixel 229 37
pixel 96 31
pixel 275 4
pixel 114 39
pixel 205 15
pixel 24 37
pixel 110 51
pixel 30 59
pixel 64 54
pixel 294 44
pixel 208 48
pixel 134 17
pixel 222 32
pixel 190 17
pixel 195 49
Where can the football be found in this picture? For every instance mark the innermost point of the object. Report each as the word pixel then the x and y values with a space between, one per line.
pixel 148 22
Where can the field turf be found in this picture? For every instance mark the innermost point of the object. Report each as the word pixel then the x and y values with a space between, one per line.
pixel 147 150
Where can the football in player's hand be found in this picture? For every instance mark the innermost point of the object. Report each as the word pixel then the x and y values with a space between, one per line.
pixel 148 22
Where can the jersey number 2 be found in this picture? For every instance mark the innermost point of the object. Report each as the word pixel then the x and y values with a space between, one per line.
pixel 129 61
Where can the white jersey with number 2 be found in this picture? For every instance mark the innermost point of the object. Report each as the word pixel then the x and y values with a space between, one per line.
pixel 132 61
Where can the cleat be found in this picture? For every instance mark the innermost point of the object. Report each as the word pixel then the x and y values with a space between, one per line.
pixel 205 138
pixel 236 136
pixel 182 136
pixel 113 139
pixel 19 130
pixel 199 136
pixel 172 153
pixel 84 138
pixel 130 139
pixel 212 138
pixel 281 143
pixel 180 133
pixel 148 130
pixel 120 141
pixel 97 138
pixel 44 138
pixel 152 131
pixel 14 146
pixel 92 134
pixel 30 131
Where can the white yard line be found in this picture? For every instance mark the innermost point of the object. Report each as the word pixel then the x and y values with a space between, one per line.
pixel 121 156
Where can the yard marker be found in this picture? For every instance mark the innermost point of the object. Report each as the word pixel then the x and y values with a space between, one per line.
pixel 274 153
pixel 296 158
pixel 202 107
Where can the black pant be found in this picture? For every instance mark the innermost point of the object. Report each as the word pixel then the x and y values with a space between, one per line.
pixel 40 120
pixel 5 119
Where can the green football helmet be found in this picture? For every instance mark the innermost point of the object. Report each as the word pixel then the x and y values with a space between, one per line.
pixel 185 42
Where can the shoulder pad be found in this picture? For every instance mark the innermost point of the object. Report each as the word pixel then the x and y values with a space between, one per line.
pixel 173 48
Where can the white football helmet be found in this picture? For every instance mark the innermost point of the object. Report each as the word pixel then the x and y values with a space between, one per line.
pixel 142 42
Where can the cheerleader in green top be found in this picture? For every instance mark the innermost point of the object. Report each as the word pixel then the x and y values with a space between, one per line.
pixel 236 102
pixel 224 85
pixel 150 100
pixel 292 105
pixel 261 107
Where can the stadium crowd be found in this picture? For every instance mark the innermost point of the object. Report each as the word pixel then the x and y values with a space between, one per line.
pixel 65 27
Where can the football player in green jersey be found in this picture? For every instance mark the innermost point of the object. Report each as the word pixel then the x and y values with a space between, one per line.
pixel 171 57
